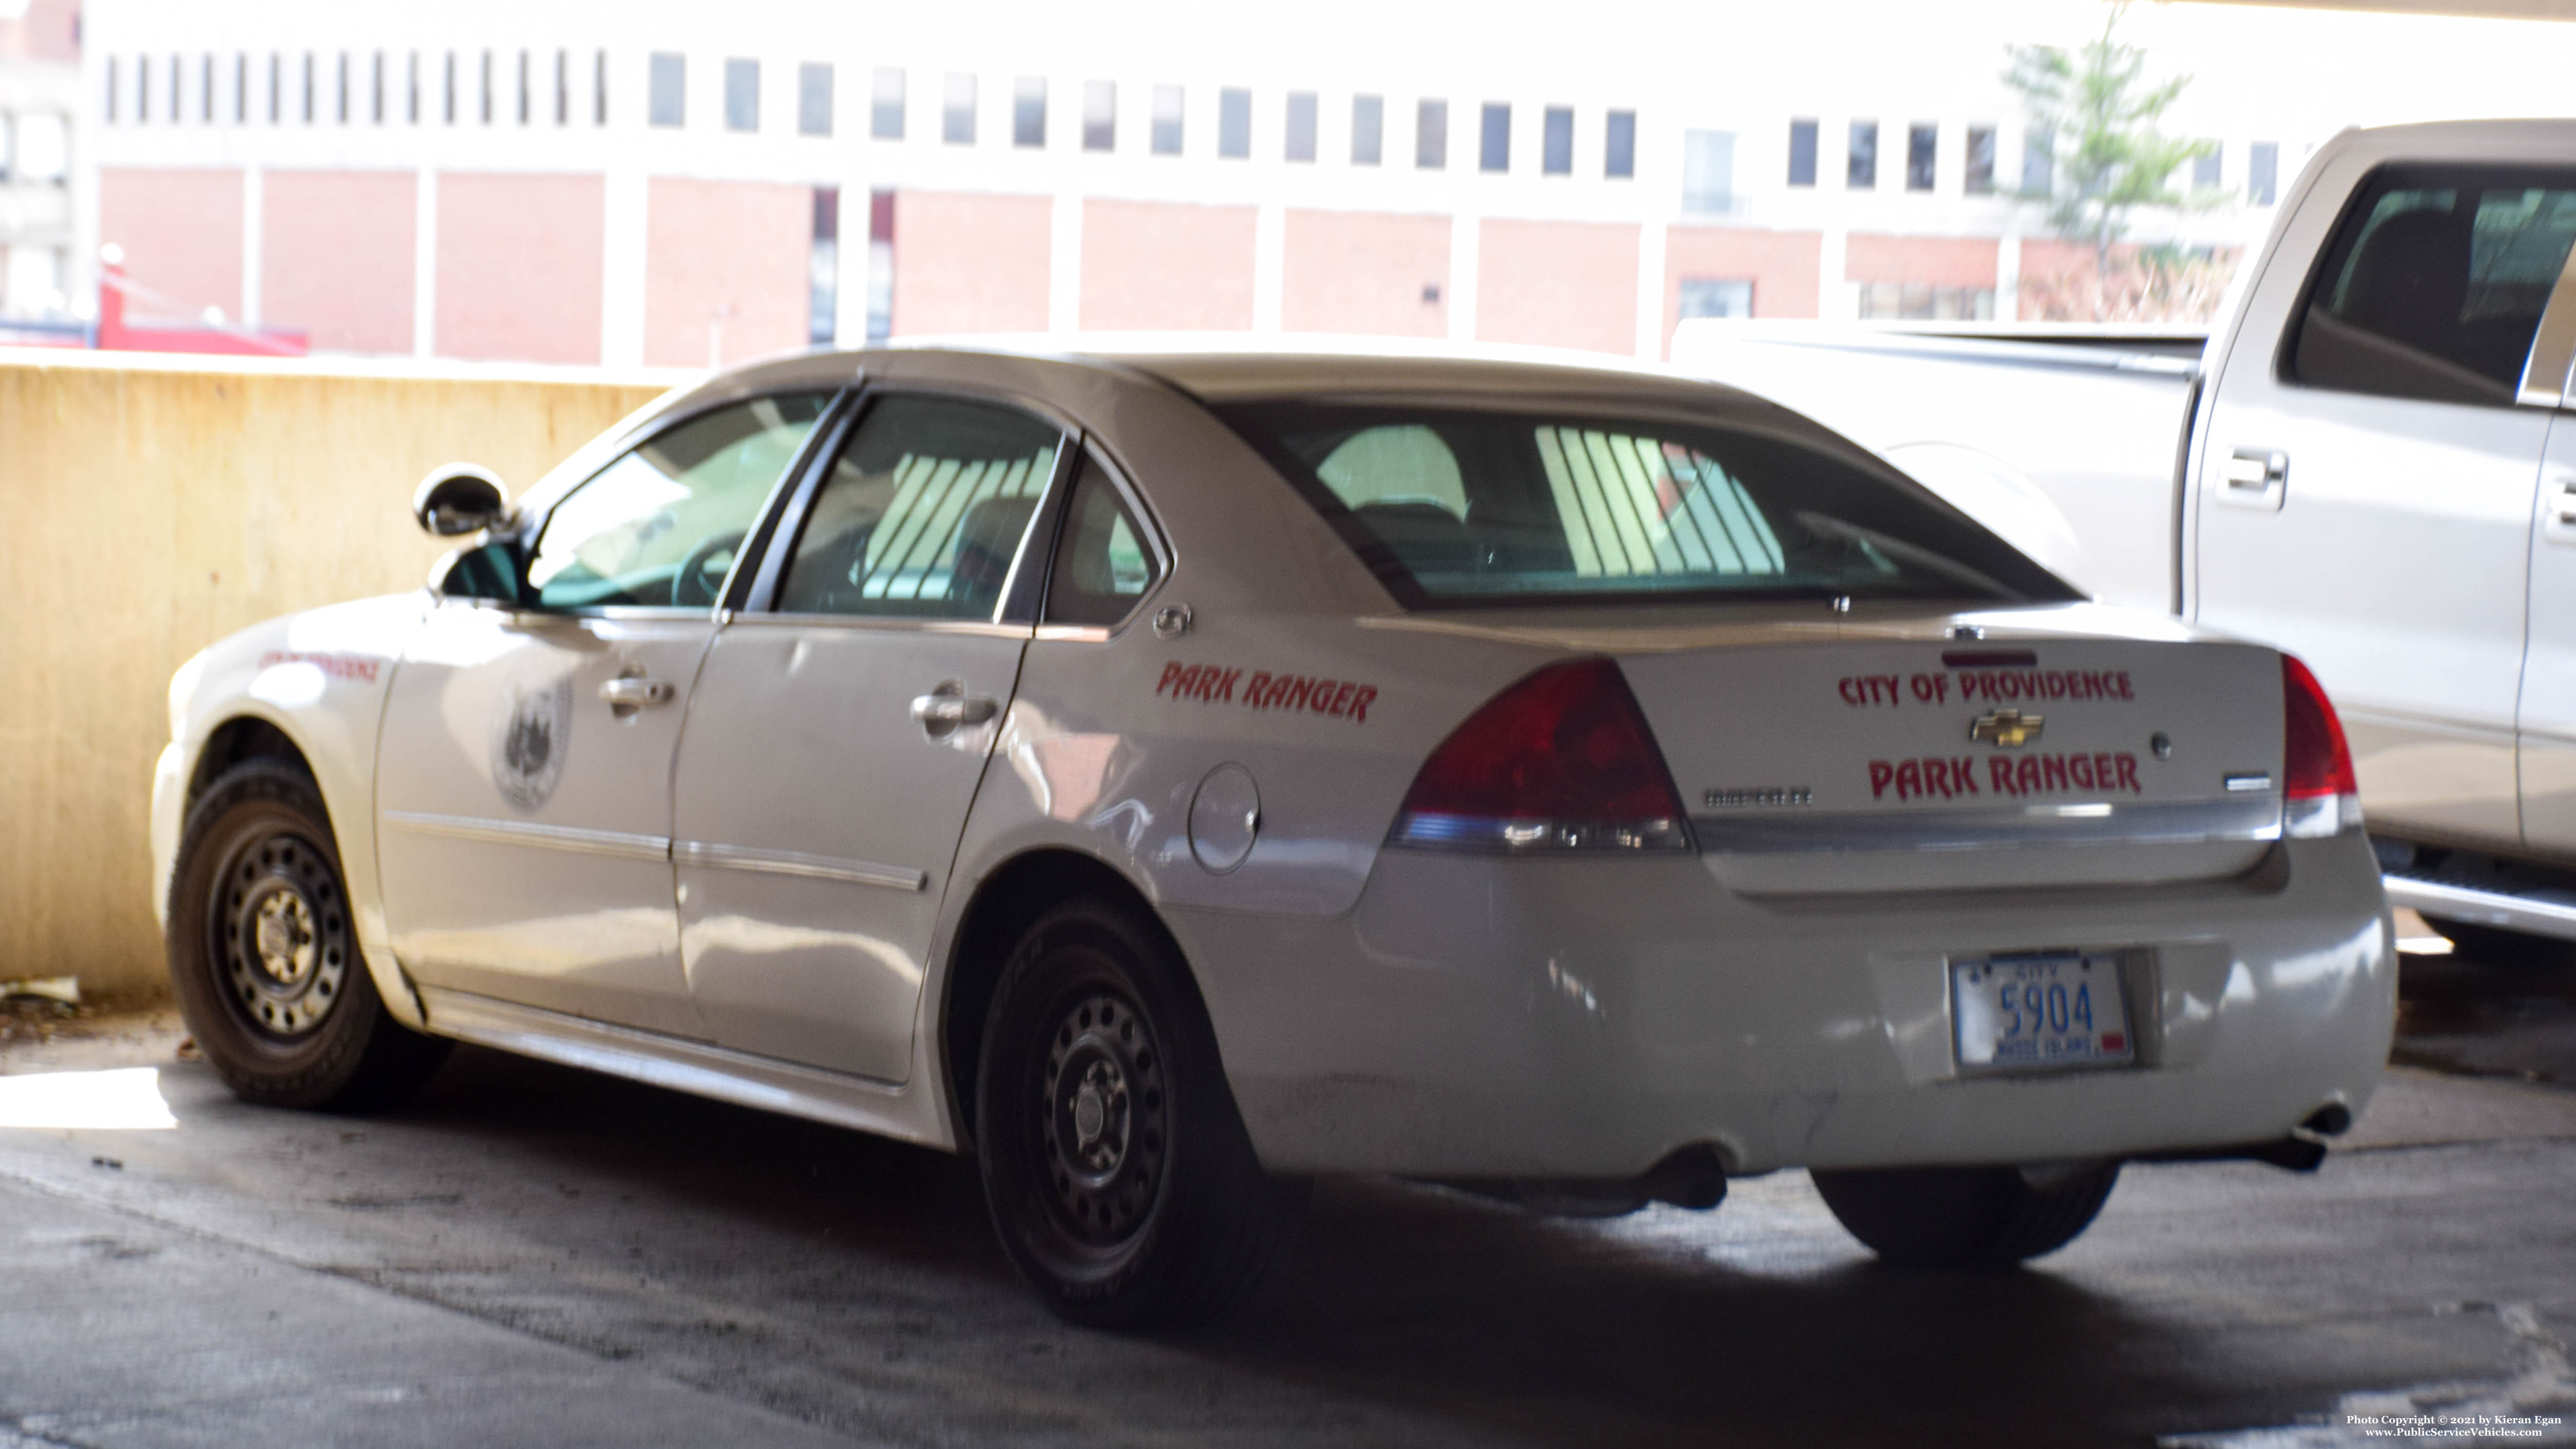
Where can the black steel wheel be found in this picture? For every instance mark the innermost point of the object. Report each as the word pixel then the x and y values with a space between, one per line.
pixel 264 955
pixel 1965 1217
pixel 1118 1173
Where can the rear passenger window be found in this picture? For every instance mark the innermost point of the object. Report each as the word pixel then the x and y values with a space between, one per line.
pixel 2435 283
pixel 1103 565
pixel 924 512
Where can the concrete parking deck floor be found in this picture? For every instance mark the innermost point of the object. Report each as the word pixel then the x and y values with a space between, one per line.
pixel 528 1254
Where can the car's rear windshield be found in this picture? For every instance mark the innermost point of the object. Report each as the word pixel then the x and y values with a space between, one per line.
pixel 1453 507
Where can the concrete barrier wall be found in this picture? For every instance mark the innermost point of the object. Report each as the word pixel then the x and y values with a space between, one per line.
pixel 148 508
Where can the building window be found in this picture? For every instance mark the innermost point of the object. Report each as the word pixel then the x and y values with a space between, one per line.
pixel 1619 146
pixel 1368 130
pixel 411 89
pixel 1708 171
pixel 667 90
pixel 1167 120
pixel 206 87
pixel 1860 172
pixel 108 113
pixel 375 89
pixel 1912 302
pixel 241 87
pixel 1922 147
pixel 1100 115
pixel 563 87
pixel 309 83
pixel 2204 169
pixel 1431 135
pixel 599 87
pixel 175 112
pixel 742 94
pixel 1494 137
pixel 487 83
pixel 1802 153
pixel 880 266
pixel 451 88
pixel 957 111
pixel 142 90
pixel 885 104
pixel 1556 142
pixel 1234 123
pixel 527 91
pixel 814 102
pixel 1981 161
pixel 340 72
pixel 1301 125
pixel 823 261
pixel 1028 111
pixel 2038 163
pixel 2263 173
pixel 277 88
pixel 1716 297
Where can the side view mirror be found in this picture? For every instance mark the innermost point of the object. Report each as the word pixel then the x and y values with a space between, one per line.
pixel 460 498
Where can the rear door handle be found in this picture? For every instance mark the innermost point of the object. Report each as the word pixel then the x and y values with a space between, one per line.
pixel 2257 478
pixel 949 708
pixel 2561 522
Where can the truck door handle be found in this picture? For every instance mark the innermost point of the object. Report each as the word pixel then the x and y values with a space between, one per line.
pixel 2258 469
pixel 2563 501
pixel 946 709
pixel 628 693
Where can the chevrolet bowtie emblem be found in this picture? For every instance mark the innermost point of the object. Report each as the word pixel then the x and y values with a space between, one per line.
pixel 2009 728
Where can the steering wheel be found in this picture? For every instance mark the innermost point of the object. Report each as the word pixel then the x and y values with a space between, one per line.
pixel 703 572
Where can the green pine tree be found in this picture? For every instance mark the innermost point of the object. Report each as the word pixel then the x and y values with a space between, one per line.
pixel 2095 105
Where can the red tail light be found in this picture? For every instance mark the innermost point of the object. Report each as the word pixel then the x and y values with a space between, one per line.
pixel 1561 760
pixel 2317 778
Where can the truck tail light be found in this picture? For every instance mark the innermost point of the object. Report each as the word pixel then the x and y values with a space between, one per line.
pixel 2320 794
pixel 1562 760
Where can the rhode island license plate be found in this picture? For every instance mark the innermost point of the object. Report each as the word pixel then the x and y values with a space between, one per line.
pixel 2019 1013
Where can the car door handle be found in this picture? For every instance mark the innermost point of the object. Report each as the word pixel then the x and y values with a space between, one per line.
pixel 632 692
pixel 2562 502
pixel 940 711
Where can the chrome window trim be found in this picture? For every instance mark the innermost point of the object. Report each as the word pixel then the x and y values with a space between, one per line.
pixel 1154 536
pixel 2036 827
pixel 884 623
pixel 614 843
pixel 789 862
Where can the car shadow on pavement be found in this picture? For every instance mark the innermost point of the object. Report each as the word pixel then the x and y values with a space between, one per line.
pixel 1465 1320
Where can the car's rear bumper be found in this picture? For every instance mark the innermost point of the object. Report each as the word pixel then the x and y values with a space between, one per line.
pixel 1478 1017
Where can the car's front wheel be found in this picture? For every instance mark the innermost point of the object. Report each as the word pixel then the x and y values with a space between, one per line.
pixel 264 955
pixel 1965 1217
pixel 1120 1178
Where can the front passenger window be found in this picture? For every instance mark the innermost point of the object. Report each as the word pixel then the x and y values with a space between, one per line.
pixel 659 527
pixel 923 513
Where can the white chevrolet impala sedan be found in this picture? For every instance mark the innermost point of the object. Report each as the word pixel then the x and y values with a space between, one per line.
pixel 1170 776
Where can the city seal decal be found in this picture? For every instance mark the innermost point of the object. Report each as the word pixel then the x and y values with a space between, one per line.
pixel 531 733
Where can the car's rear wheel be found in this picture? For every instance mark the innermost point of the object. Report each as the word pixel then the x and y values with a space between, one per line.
pixel 1119 1175
pixel 2496 946
pixel 264 955
pixel 1964 1217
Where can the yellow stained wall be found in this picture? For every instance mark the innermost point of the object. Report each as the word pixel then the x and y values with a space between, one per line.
pixel 150 506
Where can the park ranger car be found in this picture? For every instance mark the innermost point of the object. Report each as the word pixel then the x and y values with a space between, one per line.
pixel 1173 775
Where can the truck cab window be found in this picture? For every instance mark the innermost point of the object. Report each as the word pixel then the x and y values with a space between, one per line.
pixel 2435 282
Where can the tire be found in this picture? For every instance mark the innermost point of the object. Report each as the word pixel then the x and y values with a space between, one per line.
pixel 1120 1179
pixel 264 956
pixel 1963 1217
pixel 2496 946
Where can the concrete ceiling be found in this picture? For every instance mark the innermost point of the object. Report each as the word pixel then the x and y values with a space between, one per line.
pixel 2491 9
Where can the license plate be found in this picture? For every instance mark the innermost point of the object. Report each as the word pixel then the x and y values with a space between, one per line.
pixel 2017 1013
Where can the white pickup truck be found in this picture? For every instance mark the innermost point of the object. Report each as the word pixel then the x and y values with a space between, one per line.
pixel 2369 461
